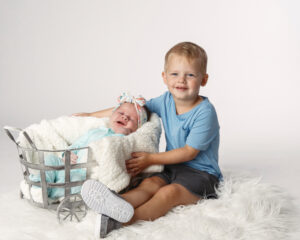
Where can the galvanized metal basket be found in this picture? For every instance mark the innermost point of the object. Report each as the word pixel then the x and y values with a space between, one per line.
pixel 71 206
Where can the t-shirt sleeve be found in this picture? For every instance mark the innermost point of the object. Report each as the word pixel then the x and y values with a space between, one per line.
pixel 204 130
pixel 155 104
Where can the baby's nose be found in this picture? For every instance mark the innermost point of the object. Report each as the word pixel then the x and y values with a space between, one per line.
pixel 125 117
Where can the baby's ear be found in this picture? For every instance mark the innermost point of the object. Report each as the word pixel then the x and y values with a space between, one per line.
pixel 204 80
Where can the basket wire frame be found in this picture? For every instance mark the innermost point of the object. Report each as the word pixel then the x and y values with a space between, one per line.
pixel 71 203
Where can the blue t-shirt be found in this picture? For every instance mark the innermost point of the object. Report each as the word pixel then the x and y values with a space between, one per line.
pixel 198 128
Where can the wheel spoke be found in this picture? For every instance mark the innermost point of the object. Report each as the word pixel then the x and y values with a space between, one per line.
pixel 65 210
pixel 79 210
pixel 76 217
pixel 72 206
pixel 67 216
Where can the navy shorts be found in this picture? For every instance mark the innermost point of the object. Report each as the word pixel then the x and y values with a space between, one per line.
pixel 197 182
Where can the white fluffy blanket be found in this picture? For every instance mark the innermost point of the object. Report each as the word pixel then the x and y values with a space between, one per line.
pixel 110 152
pixel 247 209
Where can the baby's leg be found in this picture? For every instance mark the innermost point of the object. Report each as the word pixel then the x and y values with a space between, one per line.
pixel 50 160
pixel 166 198
pixel 76 176
pixel 144 191
pixel 59 178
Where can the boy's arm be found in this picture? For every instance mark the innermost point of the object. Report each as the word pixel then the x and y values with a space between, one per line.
pixel 99 114
pixel 142 160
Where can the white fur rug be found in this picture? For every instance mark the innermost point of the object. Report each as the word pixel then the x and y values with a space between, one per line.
pixel 246 209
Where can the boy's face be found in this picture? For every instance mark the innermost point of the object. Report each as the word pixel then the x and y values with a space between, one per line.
pixel 183 78
pixel 124 119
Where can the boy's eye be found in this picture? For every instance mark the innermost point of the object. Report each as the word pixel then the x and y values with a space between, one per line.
pixel 191 75
pixel 174 74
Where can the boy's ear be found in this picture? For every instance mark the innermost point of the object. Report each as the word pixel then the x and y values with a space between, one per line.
pixel 204 80
pixel 163 74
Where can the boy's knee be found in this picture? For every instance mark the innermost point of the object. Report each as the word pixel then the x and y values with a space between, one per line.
pixel 169 192
pixel 153 184
pixel 175 194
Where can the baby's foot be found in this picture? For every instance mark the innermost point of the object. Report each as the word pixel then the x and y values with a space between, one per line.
pixel 106 202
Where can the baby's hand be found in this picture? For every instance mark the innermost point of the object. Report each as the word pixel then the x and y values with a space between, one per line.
pixel 73 158
pixel 83 114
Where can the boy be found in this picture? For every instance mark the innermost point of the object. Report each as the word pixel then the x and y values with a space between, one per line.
pixel 191 158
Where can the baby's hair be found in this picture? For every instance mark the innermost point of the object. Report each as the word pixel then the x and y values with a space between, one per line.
pixel 191 51
pixel 147 112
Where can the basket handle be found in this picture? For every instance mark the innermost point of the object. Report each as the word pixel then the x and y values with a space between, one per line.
pixel 9 131
pixel 29 140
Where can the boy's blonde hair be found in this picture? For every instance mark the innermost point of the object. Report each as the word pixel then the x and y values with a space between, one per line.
pixel 191 51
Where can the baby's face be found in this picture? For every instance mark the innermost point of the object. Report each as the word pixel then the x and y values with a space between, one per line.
pixel 124 119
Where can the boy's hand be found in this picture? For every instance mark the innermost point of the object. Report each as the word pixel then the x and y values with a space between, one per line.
pixel 73 158
pixel 138 163
pixel 99 114
pixel 81 114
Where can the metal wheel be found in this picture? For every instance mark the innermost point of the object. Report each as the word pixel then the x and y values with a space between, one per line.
pixel 71 207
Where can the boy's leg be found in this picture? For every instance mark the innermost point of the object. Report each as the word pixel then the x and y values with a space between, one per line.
pixel 187 188
pixel 166 198
pixel 98 197
pixel 154 198
pixel 141 194
pixel 101 199
pixel 104 201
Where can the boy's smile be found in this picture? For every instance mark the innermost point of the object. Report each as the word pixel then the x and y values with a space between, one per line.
pixel 181 88
pixel 183 78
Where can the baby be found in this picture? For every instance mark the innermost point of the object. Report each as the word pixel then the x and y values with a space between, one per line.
pixel 127 117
